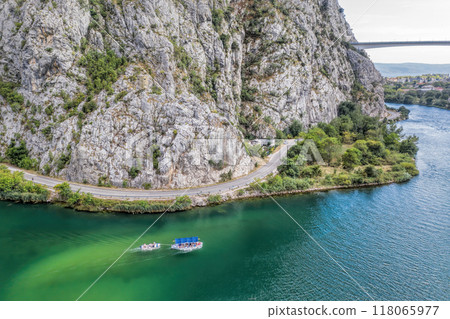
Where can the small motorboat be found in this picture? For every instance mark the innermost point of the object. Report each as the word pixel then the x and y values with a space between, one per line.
pixel 187 244
pixel 148 247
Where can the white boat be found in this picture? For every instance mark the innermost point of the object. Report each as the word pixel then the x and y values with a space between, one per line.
pixel 187 244
pixel 149 247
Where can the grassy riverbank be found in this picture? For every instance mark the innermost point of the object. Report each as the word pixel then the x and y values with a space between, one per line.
pixel 14 187
pixel 86 202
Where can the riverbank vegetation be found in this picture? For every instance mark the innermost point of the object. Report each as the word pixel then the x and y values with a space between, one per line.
pixel 355 149
pixel 397 93
pixel 87 202
pixel 14 187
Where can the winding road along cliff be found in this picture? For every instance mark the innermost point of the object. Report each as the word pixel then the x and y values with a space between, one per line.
pixel 123 193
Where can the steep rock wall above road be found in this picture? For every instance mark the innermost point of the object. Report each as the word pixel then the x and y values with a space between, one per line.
pixel 162 93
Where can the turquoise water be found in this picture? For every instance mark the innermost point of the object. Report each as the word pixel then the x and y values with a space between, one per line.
pixel 393 240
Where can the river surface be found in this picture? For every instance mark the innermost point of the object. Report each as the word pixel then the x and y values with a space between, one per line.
pixel 392 240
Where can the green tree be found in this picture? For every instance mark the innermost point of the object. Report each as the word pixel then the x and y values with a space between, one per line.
pixel 9 93
pixel 28 163
pixel 316 134
pixel 409 146
pixel 329 129
pixel 182 202
pixel 403 110
pixel 14 186
pixel 351 158
pixel 345 108
pixel 89 107
pixel 279 134
pixel 392 141
pixel 343 124
pixel 410 168
pixel 134 172
pixel 376 148
pixel 214 199
pixel 371 171
pixel 217 18
pixel 329 148
pixel 289 168
pixel 295 128
pixel 17 153
pixel 311 171
pixel 103 69
pixel 64 191
pixel 294 150
pixel 365 153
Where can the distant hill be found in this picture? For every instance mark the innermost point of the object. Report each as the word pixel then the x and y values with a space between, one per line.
pixel 398 69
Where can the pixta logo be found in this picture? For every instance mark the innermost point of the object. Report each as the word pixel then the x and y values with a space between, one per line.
pixel 309 154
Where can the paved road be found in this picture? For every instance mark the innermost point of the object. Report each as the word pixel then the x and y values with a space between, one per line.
pixel 274 161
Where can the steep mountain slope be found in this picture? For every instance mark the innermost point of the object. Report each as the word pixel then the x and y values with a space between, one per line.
pixel 163 92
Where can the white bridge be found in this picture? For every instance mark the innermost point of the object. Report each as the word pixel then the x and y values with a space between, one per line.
pixel 376 45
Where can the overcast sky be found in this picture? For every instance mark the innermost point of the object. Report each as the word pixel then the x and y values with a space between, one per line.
pixel 401 20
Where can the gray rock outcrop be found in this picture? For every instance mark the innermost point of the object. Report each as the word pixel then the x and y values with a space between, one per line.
pixel 197 78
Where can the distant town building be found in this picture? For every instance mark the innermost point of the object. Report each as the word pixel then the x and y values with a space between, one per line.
pixel 427 88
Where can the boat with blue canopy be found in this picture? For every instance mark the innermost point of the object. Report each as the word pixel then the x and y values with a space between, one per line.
pixel 187 244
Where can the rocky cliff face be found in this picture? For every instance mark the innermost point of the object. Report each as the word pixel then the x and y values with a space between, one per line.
pixel 163 92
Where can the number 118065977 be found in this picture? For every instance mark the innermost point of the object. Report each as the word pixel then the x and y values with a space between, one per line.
pixel 405 310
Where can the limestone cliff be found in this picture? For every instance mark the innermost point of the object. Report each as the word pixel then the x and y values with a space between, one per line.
pixel 163 92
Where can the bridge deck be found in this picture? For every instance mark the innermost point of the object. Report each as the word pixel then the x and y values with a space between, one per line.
pixel 374 45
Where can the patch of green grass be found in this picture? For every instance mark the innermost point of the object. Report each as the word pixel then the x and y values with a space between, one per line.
pixel 156 90
pixel 134 172
pixel 214 199
pixel 226 176
pixel 63 160
pixel 147 186
pixel 155 155
pixel 74 103
pixel 181 56
pixel 89 107
pixel 120 96
pixel 104 181
pixel 217 18
pixel 197 83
